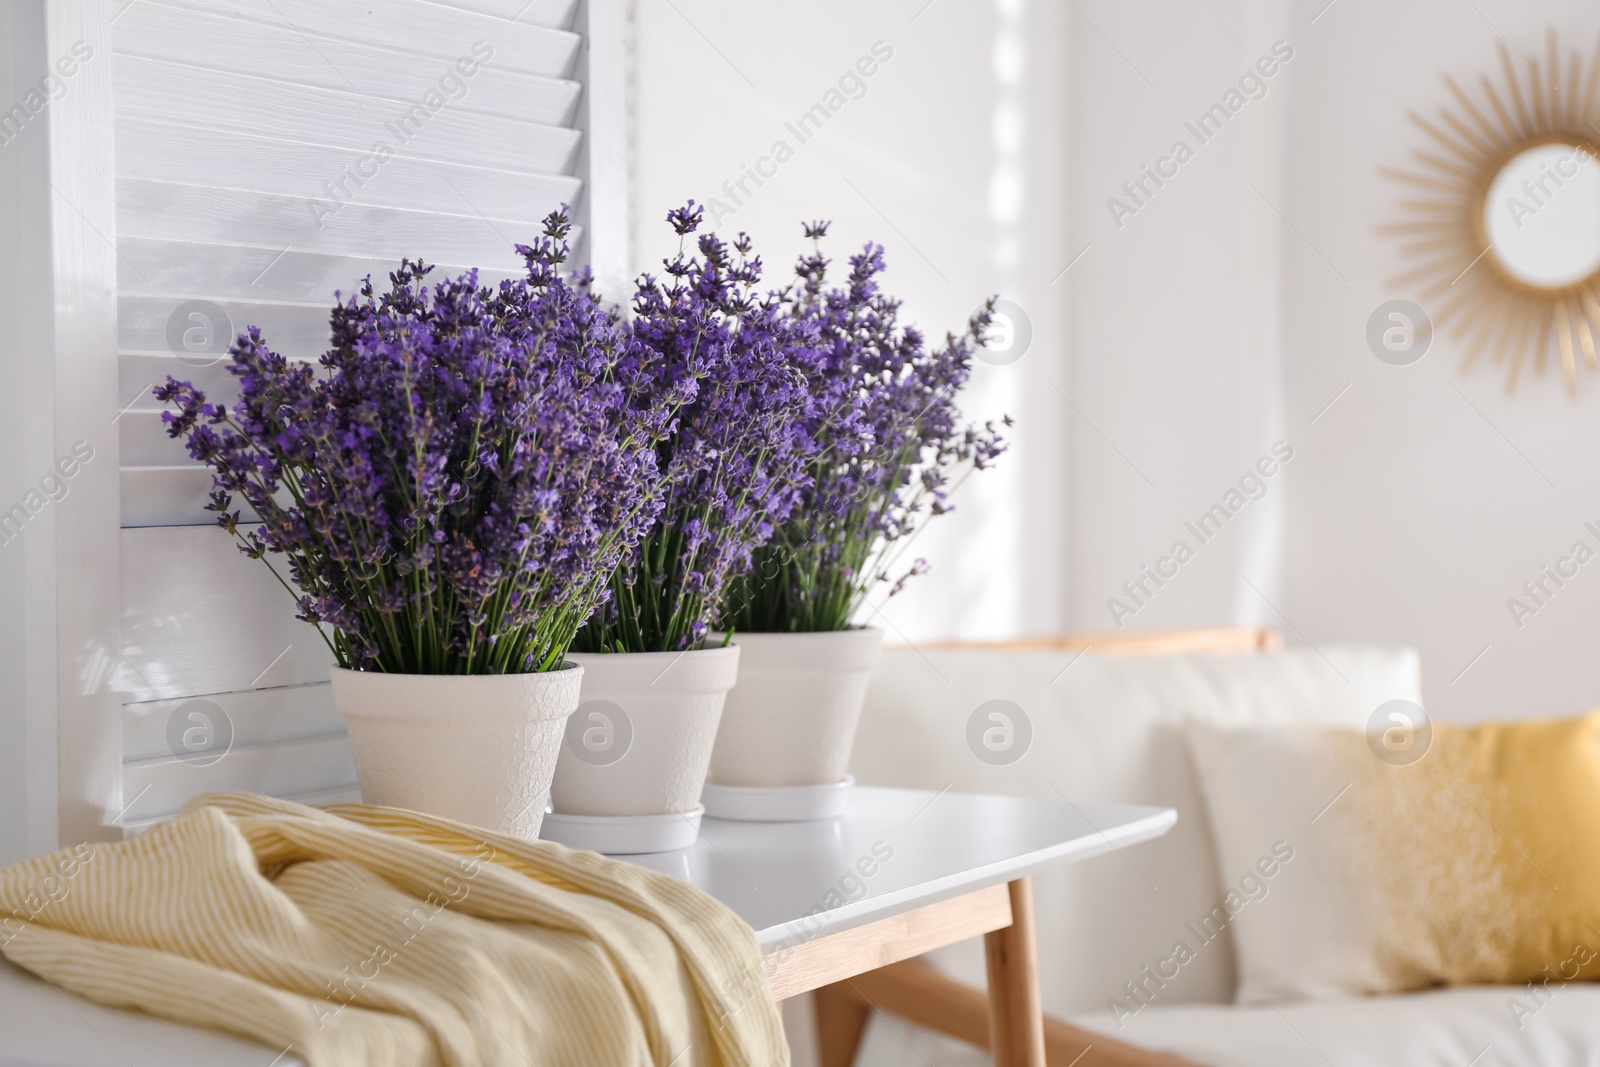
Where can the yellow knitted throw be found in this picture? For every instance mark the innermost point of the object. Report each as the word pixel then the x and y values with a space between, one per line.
pixel 357 935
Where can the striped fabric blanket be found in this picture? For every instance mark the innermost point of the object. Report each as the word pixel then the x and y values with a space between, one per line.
pixel 356 935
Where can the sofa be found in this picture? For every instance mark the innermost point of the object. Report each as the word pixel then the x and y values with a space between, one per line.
pixel 1109 728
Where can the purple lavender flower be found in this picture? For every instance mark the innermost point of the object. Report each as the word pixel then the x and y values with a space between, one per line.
pixel 454 493
pixel 883 407
pixel 735 460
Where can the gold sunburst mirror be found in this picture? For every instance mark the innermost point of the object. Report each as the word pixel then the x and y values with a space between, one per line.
pixel 1503 215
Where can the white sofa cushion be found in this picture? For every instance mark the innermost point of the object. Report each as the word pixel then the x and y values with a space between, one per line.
pixel 1438 1028
pixel 1441 1028
pixel 1110 729
pixel 44 1026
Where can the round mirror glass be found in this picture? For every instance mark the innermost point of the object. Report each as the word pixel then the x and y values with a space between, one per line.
pixel 1542 215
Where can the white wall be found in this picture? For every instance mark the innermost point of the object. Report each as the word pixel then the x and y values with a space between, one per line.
pixel 1220 318
pixel 1413 517
pixel 1171 320
pixel 1228 312
pixel 1175 337
pixel 954 160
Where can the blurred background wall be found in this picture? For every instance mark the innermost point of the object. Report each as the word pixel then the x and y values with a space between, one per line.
pixel 950 154
pixel 1175 339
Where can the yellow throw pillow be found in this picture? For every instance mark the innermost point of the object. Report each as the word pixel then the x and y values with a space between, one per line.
pixel 1477 863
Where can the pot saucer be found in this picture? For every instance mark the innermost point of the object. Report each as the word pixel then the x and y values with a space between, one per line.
pixel 788 803
pixel 623 835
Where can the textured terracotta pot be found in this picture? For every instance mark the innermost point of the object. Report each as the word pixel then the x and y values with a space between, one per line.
pixel 791 719
pixel 480 749
pixel 640 740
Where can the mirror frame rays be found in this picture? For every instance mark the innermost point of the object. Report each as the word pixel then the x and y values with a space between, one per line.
pixel 1466 287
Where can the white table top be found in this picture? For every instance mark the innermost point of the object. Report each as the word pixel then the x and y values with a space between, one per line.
pixel 893 850
pixel 919 848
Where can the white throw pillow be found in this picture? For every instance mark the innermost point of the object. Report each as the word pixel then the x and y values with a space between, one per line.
pixel 1300 932
pixel 1358 863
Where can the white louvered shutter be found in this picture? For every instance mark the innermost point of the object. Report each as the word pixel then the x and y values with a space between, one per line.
pixel 267 153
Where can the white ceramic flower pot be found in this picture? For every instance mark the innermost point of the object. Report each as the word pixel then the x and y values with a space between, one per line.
pixel 480 749
pixel 640 740
pixel 791 720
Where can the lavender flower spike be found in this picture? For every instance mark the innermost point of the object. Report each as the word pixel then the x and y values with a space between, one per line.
pixel 453 490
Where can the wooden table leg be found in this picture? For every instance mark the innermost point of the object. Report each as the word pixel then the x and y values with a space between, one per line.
pixel 841 1024
pixel 1016 1018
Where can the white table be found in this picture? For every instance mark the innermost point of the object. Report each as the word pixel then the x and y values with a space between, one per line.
pixel 944 845
pixel 902 873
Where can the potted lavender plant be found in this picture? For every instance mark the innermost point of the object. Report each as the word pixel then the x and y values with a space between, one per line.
pixel 734 464
pixel 451 498
pixel 883 408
